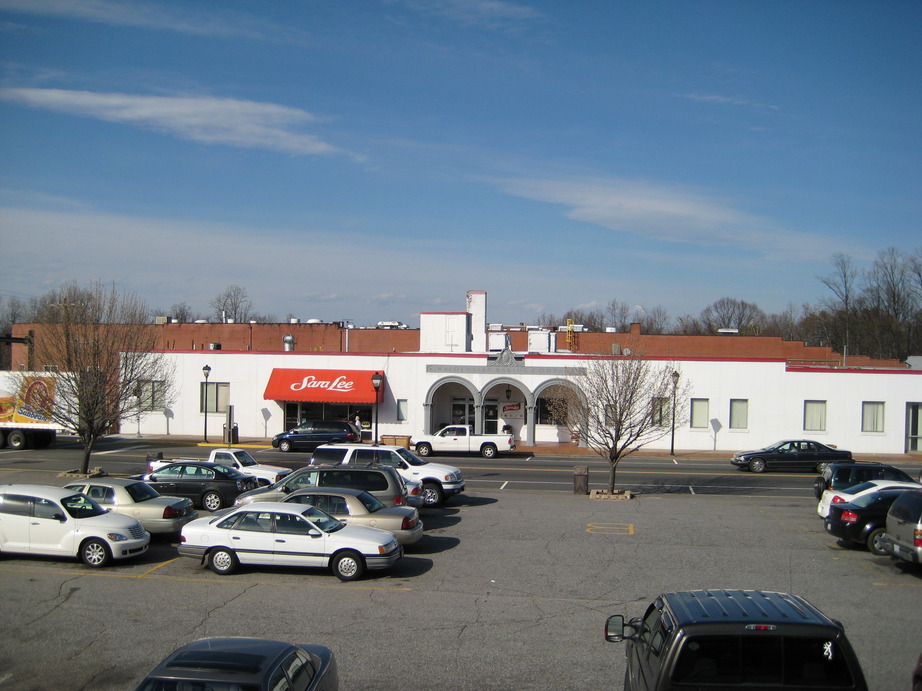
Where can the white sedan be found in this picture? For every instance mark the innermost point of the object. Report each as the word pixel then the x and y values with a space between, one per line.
pixel 841 496
pixel 278 534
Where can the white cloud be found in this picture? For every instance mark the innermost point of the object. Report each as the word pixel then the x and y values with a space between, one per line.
pixel 205 119
pixel 671 214
pixel 178 18
pixel 490 14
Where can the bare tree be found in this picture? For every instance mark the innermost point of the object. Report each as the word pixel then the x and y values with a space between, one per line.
pixel 843 284
pixel 730 313
pixel 103 351
pixel 233 304
pixel 619 404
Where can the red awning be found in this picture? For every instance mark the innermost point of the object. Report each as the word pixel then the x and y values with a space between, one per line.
pixel 321 385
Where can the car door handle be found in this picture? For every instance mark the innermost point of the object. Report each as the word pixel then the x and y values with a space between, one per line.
pixel 234 537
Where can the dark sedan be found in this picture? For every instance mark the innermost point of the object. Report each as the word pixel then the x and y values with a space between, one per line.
pixel 798 454
pixel 254 664
pixel 208 485
pixel 864 519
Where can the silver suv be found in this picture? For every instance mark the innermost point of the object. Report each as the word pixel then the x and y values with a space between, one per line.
pixel 903 536
pixel 381 482
pixel 439 481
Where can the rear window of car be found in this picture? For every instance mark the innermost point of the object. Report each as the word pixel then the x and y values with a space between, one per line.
pixel 758 659
pixel 370 481
pixel 908 507
pixel 322 455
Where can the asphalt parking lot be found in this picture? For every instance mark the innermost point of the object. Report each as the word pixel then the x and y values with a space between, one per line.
pixel 506 590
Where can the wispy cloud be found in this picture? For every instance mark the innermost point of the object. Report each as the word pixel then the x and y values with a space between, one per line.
pixel 669 214
pixel 205 119
pixel 147 15
pixel 490 14
pixel 728 100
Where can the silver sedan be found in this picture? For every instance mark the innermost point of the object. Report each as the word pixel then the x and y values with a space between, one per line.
pixel 355 507
pixel 158 514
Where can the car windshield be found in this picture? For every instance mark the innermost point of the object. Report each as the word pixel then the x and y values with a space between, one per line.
pixel 321 519
pixel 409 457
pixel 141 491
pixel 81 506
pixel 370 502
pixel 173 683
pixel 245 459
pixel 228 472
pixel 855 489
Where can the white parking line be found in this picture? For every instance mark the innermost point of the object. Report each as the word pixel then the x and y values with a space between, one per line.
pixel 127 448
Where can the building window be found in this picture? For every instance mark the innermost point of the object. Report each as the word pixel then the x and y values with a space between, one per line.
pixel 872 416
pixel 401 410
pixel 661 412
pixel 814 416
pixel 151 395
pixel 739 413
pixel 214 397
pixel 699 412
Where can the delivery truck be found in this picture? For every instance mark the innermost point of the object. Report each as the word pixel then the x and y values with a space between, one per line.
pixel 26 402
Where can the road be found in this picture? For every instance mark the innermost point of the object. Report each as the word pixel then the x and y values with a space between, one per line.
pixel 642 474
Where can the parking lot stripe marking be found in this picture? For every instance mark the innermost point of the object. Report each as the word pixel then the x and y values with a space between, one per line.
pixel 157 567
pixel 127 448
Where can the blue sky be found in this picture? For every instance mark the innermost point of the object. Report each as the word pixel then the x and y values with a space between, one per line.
pixel 370 160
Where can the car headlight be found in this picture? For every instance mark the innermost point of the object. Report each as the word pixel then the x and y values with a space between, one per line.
pixel 117 537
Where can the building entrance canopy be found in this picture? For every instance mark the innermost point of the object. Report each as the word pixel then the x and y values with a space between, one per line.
pixel 327 386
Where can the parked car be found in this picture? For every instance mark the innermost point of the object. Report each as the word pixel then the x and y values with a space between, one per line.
pixel 863 520
pixel 903 536
pixel 849 494
pixel 139 500
pixel 279 534
pixel 223 664
pixel 705 639
pixel 355 507
pixel 234 458
pixel 210 486
pixel 439 481
pixel 849 474
pixel 461 439
pixel 58 522
pixel 312 433
pixel 800 454
pixel 382 482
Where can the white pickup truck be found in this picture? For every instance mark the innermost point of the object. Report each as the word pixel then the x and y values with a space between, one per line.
pixel 234 458
pixel 460 439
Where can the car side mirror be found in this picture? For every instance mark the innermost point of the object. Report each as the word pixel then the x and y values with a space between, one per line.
pixel 59 517
pixel 616 630
pixel 313 532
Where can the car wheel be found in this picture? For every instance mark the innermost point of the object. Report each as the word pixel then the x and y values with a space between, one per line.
pixel 16 440
pixel 488 451
pixel 285 445
pixel 95 553
pixel 347 566
pixel 212 501
pixel 423 450
pixel 757 465
pixel 876 544
pixel 819 486
pixel 432 494
pixel 223 561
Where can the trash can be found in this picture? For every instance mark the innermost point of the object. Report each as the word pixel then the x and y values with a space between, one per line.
pixel 231 436
pixel 581 479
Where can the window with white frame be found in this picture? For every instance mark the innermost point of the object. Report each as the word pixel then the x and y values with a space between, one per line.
pixel 661 413
pixel 402 408
pixel 739 413
pixel 214 397
pixel 872 416
pixel 814 416
pixel 699 412
pixel 151 395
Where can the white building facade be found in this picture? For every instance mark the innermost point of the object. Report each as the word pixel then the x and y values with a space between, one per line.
pixel 463 375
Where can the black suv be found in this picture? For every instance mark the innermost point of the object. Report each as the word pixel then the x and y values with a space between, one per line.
pixel 312 433
pixel 849 473
pixel 735 638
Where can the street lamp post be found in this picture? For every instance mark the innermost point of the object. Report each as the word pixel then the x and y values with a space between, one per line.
pixel 376 380
pixel 675 385
pixel 206 370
